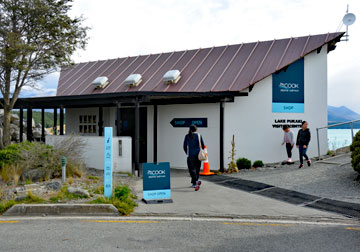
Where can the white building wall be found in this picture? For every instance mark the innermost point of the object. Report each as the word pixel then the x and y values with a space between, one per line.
pixel 170 139
pixel 250 118
pixel 93 153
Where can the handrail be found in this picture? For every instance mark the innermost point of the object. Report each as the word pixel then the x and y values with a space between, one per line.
pixel 337 124
pixel 334 125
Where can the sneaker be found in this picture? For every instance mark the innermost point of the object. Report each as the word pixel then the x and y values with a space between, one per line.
pixel 289 160
pixel 197 188
pixel 193 186
pixel 301 166
pixel 308 162
pixel 198 182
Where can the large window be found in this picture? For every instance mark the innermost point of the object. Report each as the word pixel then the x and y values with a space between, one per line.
pixel 87 124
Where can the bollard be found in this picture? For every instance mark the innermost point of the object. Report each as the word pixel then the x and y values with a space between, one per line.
pixel 63 168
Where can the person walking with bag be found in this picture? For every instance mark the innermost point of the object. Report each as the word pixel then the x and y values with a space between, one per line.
pixel 302 142
pixel 193 147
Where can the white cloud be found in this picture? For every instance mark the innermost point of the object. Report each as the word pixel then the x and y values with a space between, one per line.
pixel 122 28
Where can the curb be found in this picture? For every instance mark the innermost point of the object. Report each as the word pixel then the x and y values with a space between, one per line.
pixel 347 209
pixel 62 210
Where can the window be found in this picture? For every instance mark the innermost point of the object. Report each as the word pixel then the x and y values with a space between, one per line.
pixel 87 124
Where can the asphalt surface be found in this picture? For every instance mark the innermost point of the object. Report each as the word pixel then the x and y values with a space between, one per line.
pixel 334 180
pixel 169 235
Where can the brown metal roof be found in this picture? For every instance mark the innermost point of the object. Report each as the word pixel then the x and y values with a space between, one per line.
pixel 217 69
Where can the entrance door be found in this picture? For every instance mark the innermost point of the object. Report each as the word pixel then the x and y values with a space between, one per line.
pixel 127 116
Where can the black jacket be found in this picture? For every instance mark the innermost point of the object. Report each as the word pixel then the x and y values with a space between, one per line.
pixel 303 137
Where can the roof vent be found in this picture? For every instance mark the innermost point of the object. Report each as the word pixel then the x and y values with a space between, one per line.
pixel 100 82
pixel 133 80
pixel 172 76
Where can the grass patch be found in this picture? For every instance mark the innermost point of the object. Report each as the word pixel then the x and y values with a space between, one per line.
pixel 29 199
pixel 99 190
pixel 5 205
pixel 122 199
pixel 65 195
pixel 93 177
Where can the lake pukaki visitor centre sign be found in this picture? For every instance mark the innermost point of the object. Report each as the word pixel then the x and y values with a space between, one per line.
pixel 248 90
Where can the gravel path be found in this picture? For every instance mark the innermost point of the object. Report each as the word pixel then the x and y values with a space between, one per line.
pixel 332 181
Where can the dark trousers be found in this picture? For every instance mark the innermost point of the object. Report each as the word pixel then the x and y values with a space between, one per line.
pixel 302 153
pixel 194 165
pixel 288 149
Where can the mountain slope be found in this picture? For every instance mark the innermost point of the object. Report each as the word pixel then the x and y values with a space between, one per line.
pixel 342 114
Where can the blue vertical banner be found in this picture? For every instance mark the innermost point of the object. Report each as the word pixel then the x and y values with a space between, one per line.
pixel 288 89
pixel 108 161
pixel 156 181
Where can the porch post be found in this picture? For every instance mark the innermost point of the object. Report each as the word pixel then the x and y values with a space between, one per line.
pixel 155 133
pixel 43 125
pixel 118 119
pixel 221 151
pixel 101 123
pixel 61 120
pixel 29 134
pixel 55 121
pixel 21 124
pixel 137 135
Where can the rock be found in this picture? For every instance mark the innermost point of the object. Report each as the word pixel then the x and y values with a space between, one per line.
pixel 14 118
pixel 14 132
pixel 34 174
pixel 78 191
pixel 20 198
pixel 32 187
pixel 37 133
pixel 53 186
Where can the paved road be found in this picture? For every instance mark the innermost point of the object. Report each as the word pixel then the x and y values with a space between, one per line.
pixel 169 235
pixel 328 180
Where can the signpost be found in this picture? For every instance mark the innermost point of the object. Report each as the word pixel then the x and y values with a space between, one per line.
pixel 156 183
pixel 186 122
pixel 108 162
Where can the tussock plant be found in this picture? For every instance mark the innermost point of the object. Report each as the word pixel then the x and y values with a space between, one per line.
pixel 122 199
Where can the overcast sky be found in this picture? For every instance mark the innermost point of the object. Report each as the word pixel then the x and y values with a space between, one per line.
pixel 126 28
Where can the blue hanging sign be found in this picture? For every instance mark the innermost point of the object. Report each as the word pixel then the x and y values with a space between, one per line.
pixel 186 122
pixel 288 89
pixel 108 162
pixel 156 181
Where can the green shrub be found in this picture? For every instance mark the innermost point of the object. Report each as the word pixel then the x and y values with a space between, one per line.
pixel 39 162
pixel 355 152
pixel 243 163
pixel 5 205
pixel 258 163
pixel 122 199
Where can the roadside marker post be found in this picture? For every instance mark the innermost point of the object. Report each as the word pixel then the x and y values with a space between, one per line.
pixel 108 161
pixel 63 169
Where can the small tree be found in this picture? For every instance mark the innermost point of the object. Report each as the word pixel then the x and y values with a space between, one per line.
pixel 232 165
pixel 36 38
pixel 355 153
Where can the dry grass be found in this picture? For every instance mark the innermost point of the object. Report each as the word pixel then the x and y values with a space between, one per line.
pixel 11 173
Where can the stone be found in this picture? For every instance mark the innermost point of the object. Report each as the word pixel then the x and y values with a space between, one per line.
pixel 34 174
pixel 32 187
pixel 20 198
pixel 13 118
pixel 78 191
pixel 37 133
pixel 53 186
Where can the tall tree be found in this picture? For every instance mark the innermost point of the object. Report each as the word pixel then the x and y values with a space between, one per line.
pixel 37 37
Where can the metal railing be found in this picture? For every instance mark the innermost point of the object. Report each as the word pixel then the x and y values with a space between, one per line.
pixel 334 125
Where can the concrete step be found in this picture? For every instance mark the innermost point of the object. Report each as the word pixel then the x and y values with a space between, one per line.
pixel 62 210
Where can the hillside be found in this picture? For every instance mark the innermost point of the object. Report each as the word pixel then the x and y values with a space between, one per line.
pixel 49 118
pixel 342 114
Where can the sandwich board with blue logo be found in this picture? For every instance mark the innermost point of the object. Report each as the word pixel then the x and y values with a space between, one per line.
pixel 156 183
